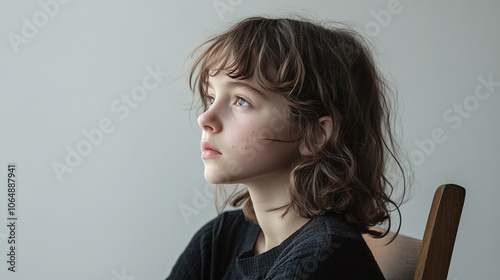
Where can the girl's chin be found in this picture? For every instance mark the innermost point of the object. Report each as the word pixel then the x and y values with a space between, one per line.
pixel 216 179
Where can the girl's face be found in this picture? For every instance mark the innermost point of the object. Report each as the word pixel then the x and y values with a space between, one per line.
pixel 242 116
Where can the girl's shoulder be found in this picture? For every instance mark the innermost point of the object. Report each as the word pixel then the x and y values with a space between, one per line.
pixel 323 229
pixel 230 219
pixel 228 225
pixel 232 215
pixel 334 225
pixel 327 246
pixel 213 248
pixel 227 218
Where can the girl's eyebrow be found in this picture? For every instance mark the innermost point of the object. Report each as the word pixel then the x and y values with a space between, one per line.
pixel 232 84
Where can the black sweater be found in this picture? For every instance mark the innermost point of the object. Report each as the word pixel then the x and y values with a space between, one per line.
pixel 324 248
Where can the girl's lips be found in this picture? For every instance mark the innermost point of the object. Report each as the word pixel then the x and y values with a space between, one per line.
pixel 208 150
pixel 209 154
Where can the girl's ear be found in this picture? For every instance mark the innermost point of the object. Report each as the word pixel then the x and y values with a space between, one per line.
pixel 324 132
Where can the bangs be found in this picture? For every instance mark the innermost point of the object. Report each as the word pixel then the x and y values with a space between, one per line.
pixel 264 50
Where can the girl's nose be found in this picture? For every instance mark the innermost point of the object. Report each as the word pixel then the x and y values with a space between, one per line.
pixel 209 121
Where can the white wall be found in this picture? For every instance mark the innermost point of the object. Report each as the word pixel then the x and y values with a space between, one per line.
pixel 116 214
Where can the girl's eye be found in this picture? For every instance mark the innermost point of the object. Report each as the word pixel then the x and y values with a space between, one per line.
pixel 242 102
pixel 209 99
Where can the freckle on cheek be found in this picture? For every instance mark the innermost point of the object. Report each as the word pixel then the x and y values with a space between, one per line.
pixel 232 147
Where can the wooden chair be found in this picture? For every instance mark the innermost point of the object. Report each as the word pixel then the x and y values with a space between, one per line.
pixel 410 258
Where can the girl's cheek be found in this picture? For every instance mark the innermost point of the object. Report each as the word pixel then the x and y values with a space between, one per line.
pixel 246 144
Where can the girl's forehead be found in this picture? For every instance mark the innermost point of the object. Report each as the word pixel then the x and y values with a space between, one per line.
pixel 222 78
pixel 221 59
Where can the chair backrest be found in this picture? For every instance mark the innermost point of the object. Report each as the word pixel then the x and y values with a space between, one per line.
pixel 429 258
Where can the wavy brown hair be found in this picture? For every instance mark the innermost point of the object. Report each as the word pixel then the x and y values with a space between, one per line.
pixel 318 71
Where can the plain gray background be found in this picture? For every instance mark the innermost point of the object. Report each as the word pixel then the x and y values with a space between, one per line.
pixel 65 67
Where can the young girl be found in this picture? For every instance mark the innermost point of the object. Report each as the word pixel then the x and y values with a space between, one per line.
pixel 297 113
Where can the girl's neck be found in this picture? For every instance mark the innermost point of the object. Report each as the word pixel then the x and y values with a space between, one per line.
pixel 275 228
